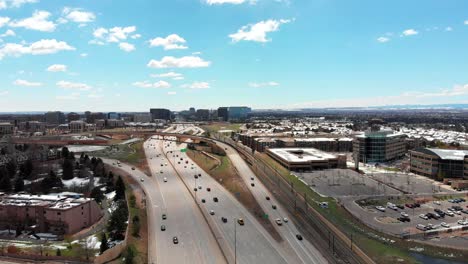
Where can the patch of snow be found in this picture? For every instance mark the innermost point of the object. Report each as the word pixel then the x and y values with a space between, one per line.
pixel 110 196
pixel 79 181
pixel 93 242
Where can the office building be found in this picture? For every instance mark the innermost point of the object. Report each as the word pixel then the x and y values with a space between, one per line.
pixel 55 118
pixel 238 113
pixel 161 113
pixel 223 113
pixel 56 214
pixel 439 163
pixel 142 118
pixel 73 117
pixel 78 126
pixel 6 128
pixel 32 126
pixel 113 115
pixel 377 145
pixel 305 159
pixel 203 114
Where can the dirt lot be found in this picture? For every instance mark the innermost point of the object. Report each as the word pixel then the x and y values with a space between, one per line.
pixel 226 175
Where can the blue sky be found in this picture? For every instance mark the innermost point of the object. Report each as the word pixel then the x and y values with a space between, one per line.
pixel 132 55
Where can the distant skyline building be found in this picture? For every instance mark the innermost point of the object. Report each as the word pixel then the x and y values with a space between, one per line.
pixel 161 113
pixel 73 117
pixel 223 113
pixel 113 115
pixel 55 118
pixel 239 112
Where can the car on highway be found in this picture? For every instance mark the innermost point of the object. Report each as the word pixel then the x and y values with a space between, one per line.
pixel 196 176
pixel 161 172
pixel 278 221
pixel 224 219
pixel 208 189
pixel 195 189
pixel 164 216
pixel 163 228
pixel 274 207
pixel 299 237
pixel 443 224
pixel 240 221
pixel 133 168
pixel 285 220
pixel 212 212
pixel 165 179
pixel 423 216
pixel 252 184
pixel 142 180
pixel 199 187
pixel 268 198
pixel 203 200
pixel 252 178
pixel 215 199
pixel 175 240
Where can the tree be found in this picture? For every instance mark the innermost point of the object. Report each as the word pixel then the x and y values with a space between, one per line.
pixel 118 218
pixel 5 183
pixel 26 168
pixel 104 244
pixel 11 168
pixel 97 194
pixel 51 181
pixel 119 189
pixel 58 252
pixel 67 169
pixel 19 184
pixel 129 255
pixel 65 152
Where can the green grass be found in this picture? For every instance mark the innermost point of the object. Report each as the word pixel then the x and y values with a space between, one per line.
pixel 130 153
pixel 215 127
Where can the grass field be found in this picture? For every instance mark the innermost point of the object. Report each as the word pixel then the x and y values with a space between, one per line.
pixel 133 154
pixel 215 127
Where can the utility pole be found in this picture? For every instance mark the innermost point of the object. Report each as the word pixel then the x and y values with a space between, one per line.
pixel 235 241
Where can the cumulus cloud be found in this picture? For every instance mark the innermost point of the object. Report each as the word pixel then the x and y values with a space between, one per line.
pixel 25 83
pixel 115 34
pixel 147 84
pixel 15 3
pixel 183 62
pixel 167 75
pixel 383 39
pixel 78 15
pixel 57 68
pixel 263 84
pixel 38 21
pixel 41 47
pixel 4 21
pixel 465 22
pixel 170 42
pixel 126 46
pixel 73 85
pixel 197 85
pixel 410 32
pixel 258 32
pixel 171 93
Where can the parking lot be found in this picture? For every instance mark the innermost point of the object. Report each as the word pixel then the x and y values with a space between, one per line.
pixel 388 222
pixel 344 182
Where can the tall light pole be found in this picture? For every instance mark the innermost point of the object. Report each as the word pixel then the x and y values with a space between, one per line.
pixel 235 241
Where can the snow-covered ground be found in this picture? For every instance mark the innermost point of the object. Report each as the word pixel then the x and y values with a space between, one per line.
pixel 110 196
pixel 79 182
pixel 85 148
pixel 130 141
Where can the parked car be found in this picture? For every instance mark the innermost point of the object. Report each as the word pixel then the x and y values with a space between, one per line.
pixel 449 213
pixel 423 216
pixel 444 225
pixel 165 179
pixel 380 208
pixel 421 227
pixel 404 214
pixel 436 202
pixel 133 168
pixel 285 220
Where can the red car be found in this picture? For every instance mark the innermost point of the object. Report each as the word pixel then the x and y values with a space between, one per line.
pixel 409 205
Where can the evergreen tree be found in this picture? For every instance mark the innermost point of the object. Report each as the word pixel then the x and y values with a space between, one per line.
pixel 97 194
pixel 119 189
pixel 26 168
pixel 19 184
pixel 118 218
pixel 58 252
pixel 104 244
pixel 65 152
pixel 67 169
pixel 11 168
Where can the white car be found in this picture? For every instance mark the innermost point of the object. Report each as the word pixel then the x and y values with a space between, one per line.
pixel 449 213
pixel 444 225
pixel 437 202
pixel 423 216
pixel 285 220
pixel 404 214
pixel 278 221
pixel 141 179
pixel 212 212
pixel 165 179
pixel 421 227
pixel 380 208
pixel 462 222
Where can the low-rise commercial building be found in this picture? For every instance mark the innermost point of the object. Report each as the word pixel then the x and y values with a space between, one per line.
pixel 56 214
pixel 299 159
pixel 6 128
pixel 439 163
pixel 32 126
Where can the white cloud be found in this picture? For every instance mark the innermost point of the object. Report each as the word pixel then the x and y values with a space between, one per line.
pixel 95 96
pixel 178 78
pixel 19 3
pixel 196 53
pixel 73 85
pixel 448 29
pixel 264 84
pixel 220 2
pixel 170 42
pixel 383 39
pixel 78 15
pixel 57 68
pixel 410 32
pixel 41 47
pixel 38 22
pixel 197 85
pixel 4 21
pixel 171 93
pixel 465 22
pixel 3 4
pixel 183 62
pixel 73 96
pixel 126 46
pixel 25 83
pixel 147 84
pixel 3 93
pixel 167 75
pixel 115 34
pixel 258 32
pixel 135 36
pixel 8 33
pixel 84 55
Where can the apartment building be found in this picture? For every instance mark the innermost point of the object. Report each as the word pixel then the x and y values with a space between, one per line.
pixel 56 214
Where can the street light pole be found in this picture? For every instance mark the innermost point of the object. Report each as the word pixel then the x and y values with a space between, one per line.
pixel 235 241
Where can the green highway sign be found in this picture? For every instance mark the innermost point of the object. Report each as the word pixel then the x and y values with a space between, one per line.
pixel 183 150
